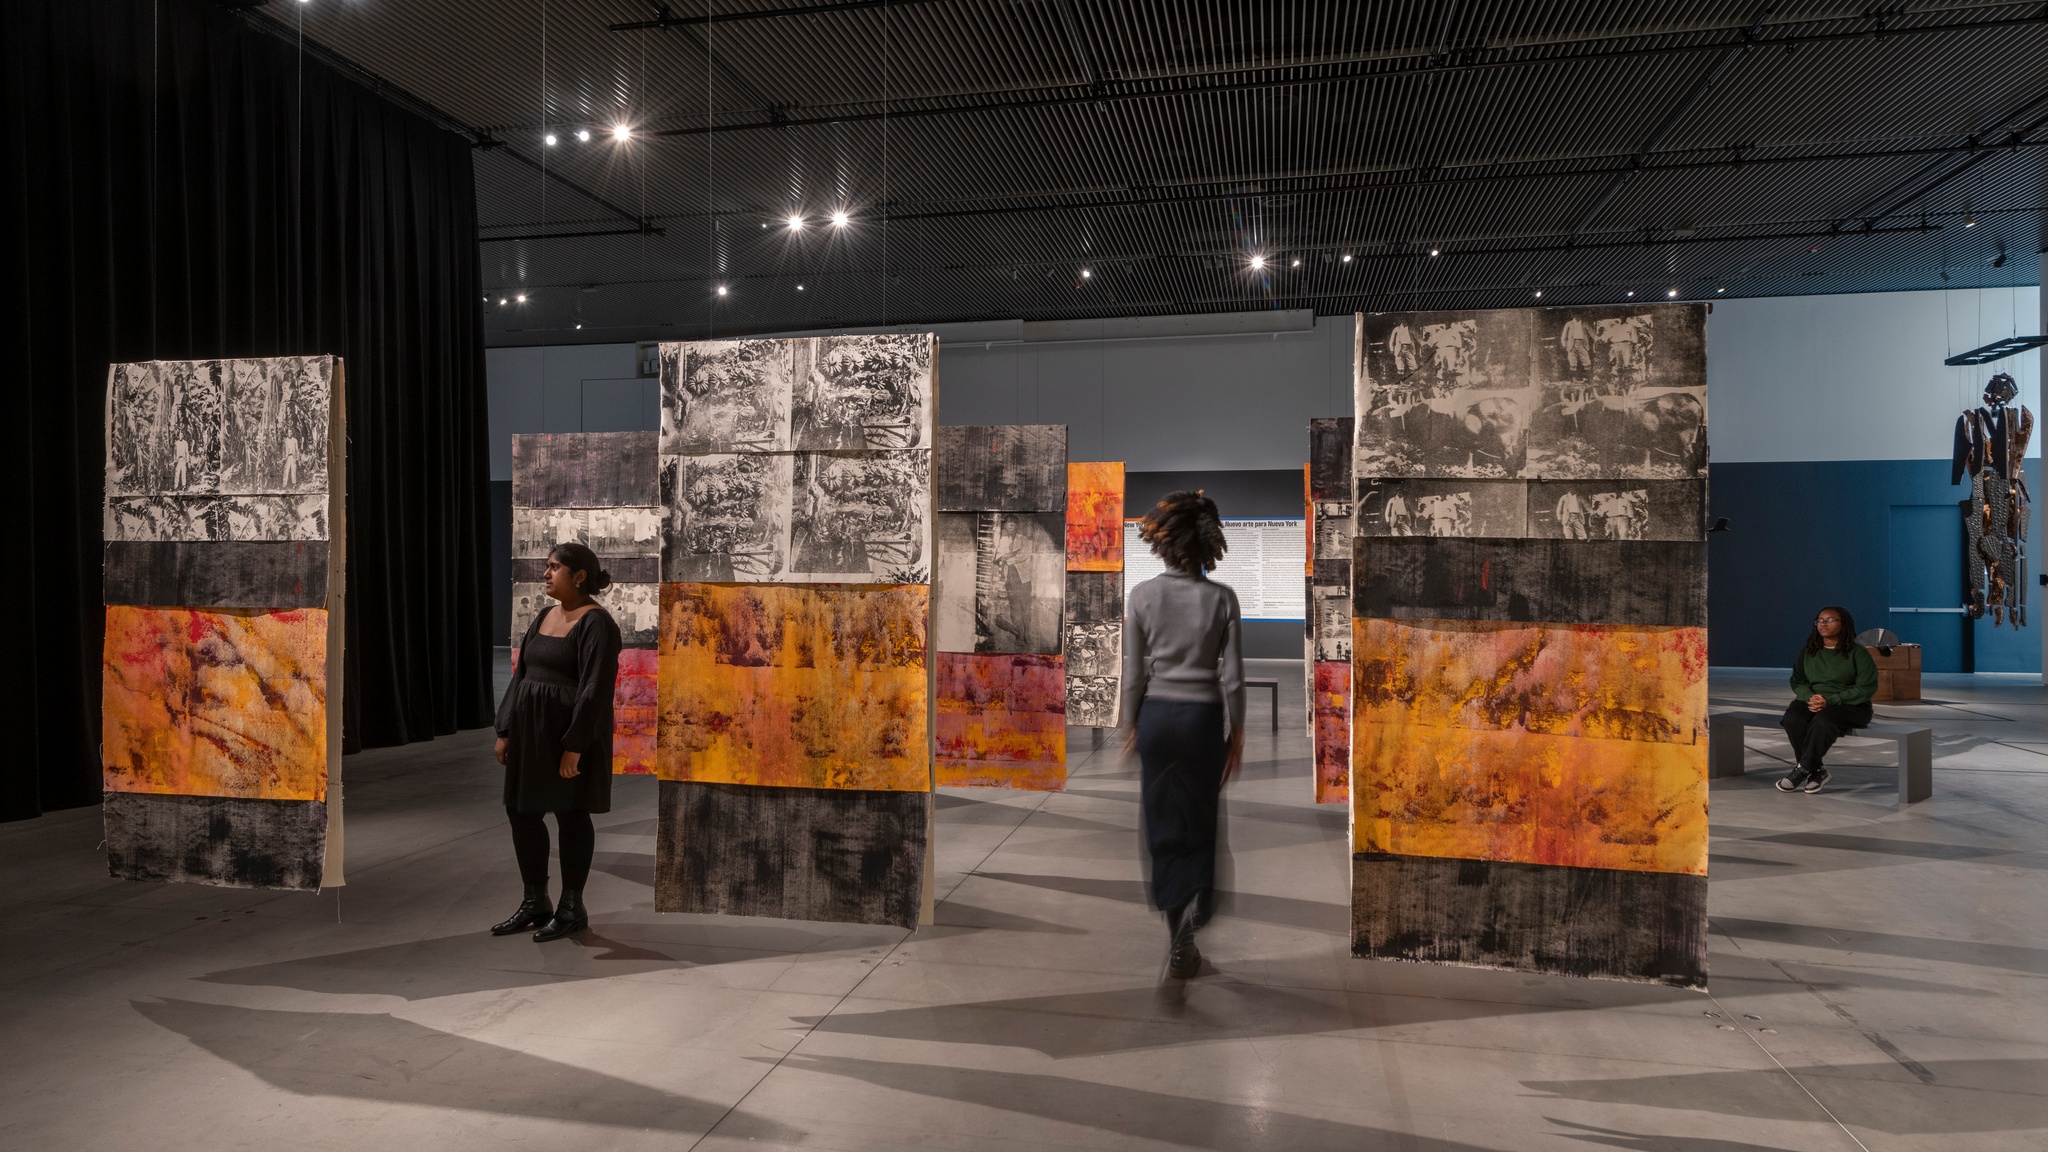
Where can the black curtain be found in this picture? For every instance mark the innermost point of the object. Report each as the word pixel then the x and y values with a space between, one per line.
pixel 177 185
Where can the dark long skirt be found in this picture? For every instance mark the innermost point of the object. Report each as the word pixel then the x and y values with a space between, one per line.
pixel 1181 748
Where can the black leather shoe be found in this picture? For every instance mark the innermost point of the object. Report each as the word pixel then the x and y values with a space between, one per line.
pixel 569 919
pixel 1183 959
pixel 532 912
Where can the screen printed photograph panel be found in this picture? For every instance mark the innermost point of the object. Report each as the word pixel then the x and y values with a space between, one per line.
pixel 1624 392
pixel 794 685
pixel 1444 394
pixel 1002 468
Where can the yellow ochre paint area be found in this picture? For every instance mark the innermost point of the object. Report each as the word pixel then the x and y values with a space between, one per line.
pixel 794 685
pixel 1567 744
pixel 215 702
pixel 1095 516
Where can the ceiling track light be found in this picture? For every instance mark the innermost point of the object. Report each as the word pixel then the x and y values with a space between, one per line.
pixel 1085 273
pixel 621 133
pixel 550 138
pixel 1258 261
pixel 1347 257
pixel 839 220
pixel 1673 292
pixel 583 134
pixel 795 222
pixel 1434 252
pixel 721 289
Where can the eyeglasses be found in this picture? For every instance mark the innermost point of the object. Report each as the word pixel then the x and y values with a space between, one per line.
pixel 1828 620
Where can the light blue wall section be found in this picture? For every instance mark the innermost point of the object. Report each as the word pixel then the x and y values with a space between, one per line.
pixel 1857 377
pixel 570 388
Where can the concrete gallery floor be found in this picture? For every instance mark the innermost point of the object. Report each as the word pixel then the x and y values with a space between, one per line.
pixel 1880 981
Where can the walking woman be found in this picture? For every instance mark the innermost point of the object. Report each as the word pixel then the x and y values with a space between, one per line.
pixel 555 740
pixel 1183 698
pixel 1833 679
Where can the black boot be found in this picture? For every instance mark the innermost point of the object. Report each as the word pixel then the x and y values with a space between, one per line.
pixel 1205 901
pixel 570 917
pixel 1183 959
pixel 533 912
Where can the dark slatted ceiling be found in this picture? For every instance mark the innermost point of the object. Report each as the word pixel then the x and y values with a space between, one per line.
pixel 988 151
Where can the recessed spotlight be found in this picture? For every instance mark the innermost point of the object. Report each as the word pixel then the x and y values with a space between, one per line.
pixel 1631 291
pixel 522 297
pixel 1296 264
pixel 1970 223
pixel 1347 257
pixel 839 220
pixel 1673 292
pixel 579 324
pixel 764 225
pixel 501 301
pixel 583 134
pixel 1720 289
pixel 1539 293
pixel 1258 261
pixel 799 287
pixel 1433 252
pixel 796 223
pixel 1086 273
pixel 621 132
pixel 550 138
pixel 721 289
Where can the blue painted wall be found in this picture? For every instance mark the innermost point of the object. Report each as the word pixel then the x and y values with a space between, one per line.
pixel 1804 534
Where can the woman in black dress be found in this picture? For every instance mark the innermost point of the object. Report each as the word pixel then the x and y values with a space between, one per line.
pixel 555 740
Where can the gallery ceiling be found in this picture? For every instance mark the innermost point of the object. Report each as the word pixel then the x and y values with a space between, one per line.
pixel 1054 159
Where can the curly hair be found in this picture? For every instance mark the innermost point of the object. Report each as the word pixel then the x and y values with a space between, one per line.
pixel 1185 531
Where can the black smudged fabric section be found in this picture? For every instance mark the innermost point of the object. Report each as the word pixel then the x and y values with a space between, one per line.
pixel 1652 583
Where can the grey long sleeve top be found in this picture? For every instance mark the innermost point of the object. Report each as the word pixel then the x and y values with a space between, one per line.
pixel 1182 642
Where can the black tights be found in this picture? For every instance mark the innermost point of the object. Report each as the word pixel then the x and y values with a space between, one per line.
pixel 530 844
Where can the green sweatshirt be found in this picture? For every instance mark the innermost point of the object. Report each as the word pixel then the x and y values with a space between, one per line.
pixel 1840 677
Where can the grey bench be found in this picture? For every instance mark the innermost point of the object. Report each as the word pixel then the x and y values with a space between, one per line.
pixel 1271 685
pixel 1915 744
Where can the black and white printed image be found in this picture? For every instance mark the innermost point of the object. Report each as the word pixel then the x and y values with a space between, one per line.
pixel 723 396
pixel 1444 394
pixel 1020 581
pixel 637 609
pixel 1001 468
pixel 1095 596
pixel 609 532
pixel 1610 510
pixel 1330 622
pixel 1093 701
pixel 241 427
pixel 216 518
pixel 1494 508
pixel 527 602
pixel 1329 458
pixel 854 392
pixel 1624 393
pixel 275 416
pixel 1095 649
pixel 725 517
pixel 585 470
pixel 1333 529
pixel 861 517
pixel 164 428
pixel 953 581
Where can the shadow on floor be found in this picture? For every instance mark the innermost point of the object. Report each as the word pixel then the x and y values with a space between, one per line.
pixel 1284 911
pixel 1130 1112
pixel 2003 1095
pixel 1616 1138
pixel 364 1056
pixel 2015 957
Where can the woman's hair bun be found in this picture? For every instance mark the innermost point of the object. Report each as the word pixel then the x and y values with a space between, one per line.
pixel 593 584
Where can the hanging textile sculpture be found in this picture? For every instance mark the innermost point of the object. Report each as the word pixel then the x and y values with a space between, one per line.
pixel 1991 451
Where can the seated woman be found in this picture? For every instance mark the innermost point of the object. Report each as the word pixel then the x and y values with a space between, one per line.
pixel 1833 678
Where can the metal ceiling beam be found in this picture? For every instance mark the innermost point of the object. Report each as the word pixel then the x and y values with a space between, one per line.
pixel 1932 175
pixel 1381 179
pixel 1420 63
pixel 666 19
pixel 1077 42
pixel 1685 105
